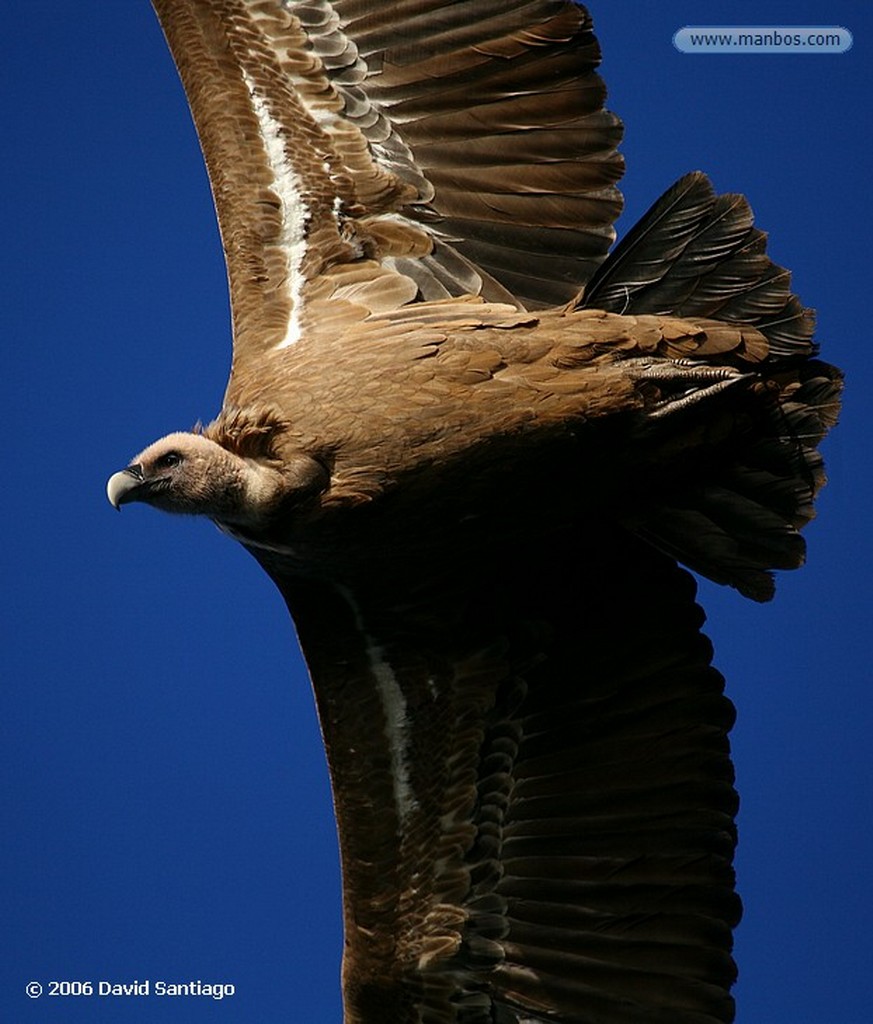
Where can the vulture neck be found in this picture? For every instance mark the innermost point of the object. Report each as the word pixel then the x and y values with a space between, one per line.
pixel 254 484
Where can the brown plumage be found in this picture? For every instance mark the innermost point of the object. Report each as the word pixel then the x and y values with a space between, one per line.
pixel 469 447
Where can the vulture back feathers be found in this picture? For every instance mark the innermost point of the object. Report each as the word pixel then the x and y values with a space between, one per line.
pixel 470 449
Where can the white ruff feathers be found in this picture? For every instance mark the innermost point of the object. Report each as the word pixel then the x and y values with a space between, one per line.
pixel 295 214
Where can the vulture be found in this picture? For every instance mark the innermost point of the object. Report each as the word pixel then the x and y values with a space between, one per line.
pixel 478 449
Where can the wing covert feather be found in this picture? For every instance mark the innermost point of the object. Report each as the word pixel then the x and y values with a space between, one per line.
pixel 282 164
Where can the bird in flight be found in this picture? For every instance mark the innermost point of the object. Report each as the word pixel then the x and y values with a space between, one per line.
pixel 477 452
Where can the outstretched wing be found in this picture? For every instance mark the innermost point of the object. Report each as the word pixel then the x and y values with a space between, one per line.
pixel 532 783
pixel 365 154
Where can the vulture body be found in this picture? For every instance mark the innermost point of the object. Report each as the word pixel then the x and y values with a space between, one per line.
pixel 470 449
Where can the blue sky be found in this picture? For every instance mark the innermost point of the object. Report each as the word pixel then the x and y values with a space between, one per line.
pixel 166 811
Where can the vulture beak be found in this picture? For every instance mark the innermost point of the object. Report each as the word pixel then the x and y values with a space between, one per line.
pixel 125 486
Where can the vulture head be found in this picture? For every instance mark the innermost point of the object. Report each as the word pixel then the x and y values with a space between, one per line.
pixel 194 475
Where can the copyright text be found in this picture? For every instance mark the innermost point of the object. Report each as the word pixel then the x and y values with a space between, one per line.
pixel 132 989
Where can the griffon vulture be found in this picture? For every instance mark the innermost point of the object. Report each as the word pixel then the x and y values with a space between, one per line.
pixel 470 449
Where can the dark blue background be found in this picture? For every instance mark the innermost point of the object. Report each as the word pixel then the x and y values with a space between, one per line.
pixel 166 812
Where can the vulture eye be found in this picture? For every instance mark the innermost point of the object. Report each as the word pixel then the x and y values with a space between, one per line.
pixel 168 460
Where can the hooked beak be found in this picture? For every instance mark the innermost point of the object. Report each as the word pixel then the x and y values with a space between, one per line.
pixel 125 486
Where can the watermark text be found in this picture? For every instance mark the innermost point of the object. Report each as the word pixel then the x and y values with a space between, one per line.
pixel 811 39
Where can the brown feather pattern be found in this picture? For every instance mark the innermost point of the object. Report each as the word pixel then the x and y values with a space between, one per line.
pixel 473 504
pixel 717 268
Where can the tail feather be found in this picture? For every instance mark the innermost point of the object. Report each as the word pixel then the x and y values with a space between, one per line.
pixel 697 254
pixel 735 516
